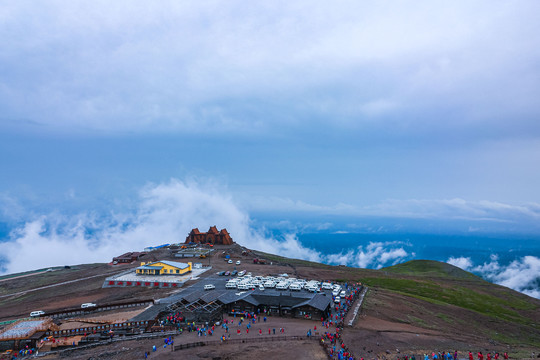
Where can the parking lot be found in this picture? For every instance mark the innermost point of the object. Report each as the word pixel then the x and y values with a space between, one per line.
pixel 220 290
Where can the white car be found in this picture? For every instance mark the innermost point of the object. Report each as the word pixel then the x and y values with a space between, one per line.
pixel 238 262
pixel 295 286
pixel 37 313
pixel 261 287
pixel 337 300
pixel 243 287
pixel 209 287
pixel 88 305
pixel 229 262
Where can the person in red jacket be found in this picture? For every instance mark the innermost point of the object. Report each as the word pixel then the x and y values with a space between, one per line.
pixel 470 356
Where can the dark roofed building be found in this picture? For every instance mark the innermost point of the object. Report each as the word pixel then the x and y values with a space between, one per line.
pixel 201 305
pixel 213 236
pixel 312 306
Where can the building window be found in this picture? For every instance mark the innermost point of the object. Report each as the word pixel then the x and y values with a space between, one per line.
pixel 178 271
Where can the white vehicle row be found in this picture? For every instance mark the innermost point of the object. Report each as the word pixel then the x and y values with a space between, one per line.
pixel 248 282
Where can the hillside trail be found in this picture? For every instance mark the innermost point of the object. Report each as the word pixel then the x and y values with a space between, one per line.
pixel 20 276
pixel 53 285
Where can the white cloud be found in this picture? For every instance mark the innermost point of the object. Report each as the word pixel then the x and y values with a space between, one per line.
pixel 165 214
pixel 453 209
pixel 456 208
pixel 197 67
pixel 374 255
pixel 464 263
pixel 522 274
pixel 488 269
pixel 343 258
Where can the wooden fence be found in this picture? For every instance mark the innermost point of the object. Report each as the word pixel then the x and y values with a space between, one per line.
pixel 242 341
pixel 100 328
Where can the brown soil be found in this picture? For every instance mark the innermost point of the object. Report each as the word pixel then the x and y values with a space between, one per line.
pixel 130 350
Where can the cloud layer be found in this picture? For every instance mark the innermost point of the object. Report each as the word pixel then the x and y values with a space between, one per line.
pixel 165 214
pixel 521 274
pixel 411 68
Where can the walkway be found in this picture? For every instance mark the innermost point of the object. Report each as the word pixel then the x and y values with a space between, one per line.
pixel 352 315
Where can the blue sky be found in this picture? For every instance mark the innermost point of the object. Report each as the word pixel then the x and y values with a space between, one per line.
pixel 410 109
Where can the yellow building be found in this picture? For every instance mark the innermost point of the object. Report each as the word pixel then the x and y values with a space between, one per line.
pixel 164 267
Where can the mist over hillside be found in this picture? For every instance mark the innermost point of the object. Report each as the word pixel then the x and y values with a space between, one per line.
pixel 166 212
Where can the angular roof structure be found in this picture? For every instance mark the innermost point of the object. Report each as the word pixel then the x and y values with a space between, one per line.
pixel 213 236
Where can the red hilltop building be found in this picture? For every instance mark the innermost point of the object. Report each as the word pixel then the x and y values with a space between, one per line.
pixel 213 236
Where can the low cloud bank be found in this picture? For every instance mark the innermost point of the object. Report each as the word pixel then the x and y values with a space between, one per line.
pixel 522 274
pixel 165 214
pixel 374 255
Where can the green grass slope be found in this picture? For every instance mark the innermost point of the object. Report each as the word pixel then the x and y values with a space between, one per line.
pixel 448 286
pixel 430 268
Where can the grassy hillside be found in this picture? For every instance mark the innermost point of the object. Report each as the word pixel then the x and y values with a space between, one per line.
pixel 458 299
pixel 430 268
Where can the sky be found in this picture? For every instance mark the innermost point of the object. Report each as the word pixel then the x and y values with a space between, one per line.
pixel 421 111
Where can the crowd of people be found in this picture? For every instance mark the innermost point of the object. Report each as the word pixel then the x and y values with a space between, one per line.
pixel 26 352
pixel 242 322
pixel 329 330
pixel 331 338
pixel 454 355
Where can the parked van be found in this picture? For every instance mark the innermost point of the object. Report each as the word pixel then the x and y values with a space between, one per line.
pixel 244 286
pixel 88 305
pixel 337 300
pixel 343 294
pixel 327 286
pixel 230 285
pixel 37 313
pixel 295 286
